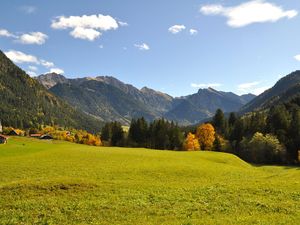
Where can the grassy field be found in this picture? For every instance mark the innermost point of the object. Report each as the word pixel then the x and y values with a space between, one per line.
pixel 52 182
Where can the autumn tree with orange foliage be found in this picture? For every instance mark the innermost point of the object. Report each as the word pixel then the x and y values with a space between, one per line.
pixel 206 136
pixel 191 143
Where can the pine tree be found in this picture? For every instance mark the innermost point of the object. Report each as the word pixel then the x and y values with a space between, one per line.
pixel 294 137
pixel 219 122
pixel 138 132
pixel 117 134
pixel 232 118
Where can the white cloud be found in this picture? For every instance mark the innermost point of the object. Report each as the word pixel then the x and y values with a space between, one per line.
pixel 33 68
pixel 123 24
pixel 38 38
pixel 252 87
pixel 143 46
pixel 101 46
pixel 31 73
pixel 86 27
pixel 193 31
pixel 297 57
pixel 259 90
pixel 5 33
pixel 56 70
pixel 212 9
pixel 247 86
pixel 255 11
pixel 20 57
pixel 46 63
pixel 212 85
pixel 176 29
pixel 85 33
pixel 28 9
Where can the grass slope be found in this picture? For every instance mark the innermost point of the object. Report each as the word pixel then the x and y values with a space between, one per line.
pixel 52 182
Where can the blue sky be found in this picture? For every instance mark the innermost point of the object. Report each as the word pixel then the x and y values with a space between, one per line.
pixel 172 46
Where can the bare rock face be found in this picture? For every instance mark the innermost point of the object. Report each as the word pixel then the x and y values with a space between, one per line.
pixel 51 79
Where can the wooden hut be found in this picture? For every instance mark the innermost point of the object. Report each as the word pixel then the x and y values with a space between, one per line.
pixel 46 137
pixel 16 132
pixel 3 139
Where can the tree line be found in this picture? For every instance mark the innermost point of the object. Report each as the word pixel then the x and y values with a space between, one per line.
pixel 270 136
pixel 267 137
pixel 158 134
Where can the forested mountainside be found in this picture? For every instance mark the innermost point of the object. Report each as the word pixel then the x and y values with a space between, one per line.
pixel 26 103
pixel 285 89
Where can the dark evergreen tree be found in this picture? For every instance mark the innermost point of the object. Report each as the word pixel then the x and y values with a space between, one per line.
pixel 232 118
pixel 293 143
pixel 256 122
pixel 165 135
pixel 138 132
pixel 106 132
pixel 278 122
pixel 237 135
pixel 219 122
pixel 117 134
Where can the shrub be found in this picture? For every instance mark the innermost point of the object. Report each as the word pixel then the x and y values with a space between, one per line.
pixel 263 149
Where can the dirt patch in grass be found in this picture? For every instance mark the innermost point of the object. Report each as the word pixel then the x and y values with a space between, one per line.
pixel 48 187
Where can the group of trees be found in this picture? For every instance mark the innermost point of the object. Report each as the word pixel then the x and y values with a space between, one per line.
pixel 159 134
pixel 112 134
pixel 271 136
pixel 59 133
pixel 77 136
pixel 204 139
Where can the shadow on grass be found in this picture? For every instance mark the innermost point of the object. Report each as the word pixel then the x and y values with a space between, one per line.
pixel 284 166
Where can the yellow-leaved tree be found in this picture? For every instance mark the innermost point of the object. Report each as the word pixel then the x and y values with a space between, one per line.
pixel 191 143
pixel 206 136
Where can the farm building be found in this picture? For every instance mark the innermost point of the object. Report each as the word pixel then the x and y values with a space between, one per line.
pixel 15 132
pixel 35 135
pixel 3 139
pixel 46 137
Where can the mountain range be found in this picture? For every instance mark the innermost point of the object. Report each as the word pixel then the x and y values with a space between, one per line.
pixel 86 103
pixel 108 99
pixel 26 103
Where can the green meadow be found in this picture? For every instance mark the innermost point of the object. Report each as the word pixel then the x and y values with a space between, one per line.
pixel 53 182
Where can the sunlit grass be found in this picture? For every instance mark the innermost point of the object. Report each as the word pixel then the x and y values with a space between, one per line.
pixel 52 182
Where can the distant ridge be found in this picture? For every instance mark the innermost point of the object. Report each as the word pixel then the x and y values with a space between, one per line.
pixel 285 89
pixel 108 99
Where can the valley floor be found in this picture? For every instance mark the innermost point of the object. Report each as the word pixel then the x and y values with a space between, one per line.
pixel 53 182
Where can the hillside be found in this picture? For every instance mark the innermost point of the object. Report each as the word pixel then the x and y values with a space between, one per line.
pixel 194 108
pixel 110 99
pixel 26 103
pixel 52 182
pixel 285 89
pixel 101 100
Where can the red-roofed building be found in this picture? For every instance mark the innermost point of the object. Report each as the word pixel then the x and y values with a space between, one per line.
pixel 36 135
